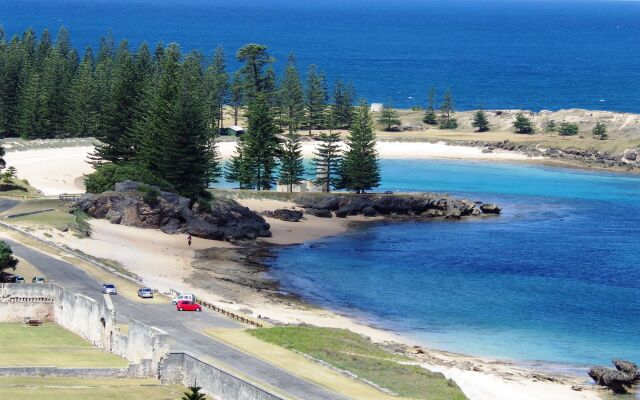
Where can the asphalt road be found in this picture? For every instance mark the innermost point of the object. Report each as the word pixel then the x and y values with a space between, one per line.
pixel 184 328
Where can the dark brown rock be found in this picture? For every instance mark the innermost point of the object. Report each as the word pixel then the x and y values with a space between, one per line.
pixel 171 213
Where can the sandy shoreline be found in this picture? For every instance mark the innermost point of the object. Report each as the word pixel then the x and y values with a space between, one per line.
pixel 234 277
pixel 231 277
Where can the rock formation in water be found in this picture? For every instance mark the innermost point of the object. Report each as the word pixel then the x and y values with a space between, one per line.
pixel 414 205
pixel 171 213
pixel 619 380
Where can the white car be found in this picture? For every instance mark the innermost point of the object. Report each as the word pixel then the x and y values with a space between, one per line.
pixel 109 288
pixel 145 293
pixel 184 296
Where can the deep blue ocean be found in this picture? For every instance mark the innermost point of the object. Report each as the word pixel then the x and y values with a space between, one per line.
pixel 492 53
pixel 556 278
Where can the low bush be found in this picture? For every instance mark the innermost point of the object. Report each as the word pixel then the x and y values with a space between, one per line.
pixel 107 175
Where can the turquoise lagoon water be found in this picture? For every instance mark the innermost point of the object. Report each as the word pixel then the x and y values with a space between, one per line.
pixel 554 279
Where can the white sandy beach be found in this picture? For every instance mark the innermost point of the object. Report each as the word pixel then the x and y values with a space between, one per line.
pixel 60 170
pixel 53 171
pixel 165 261
pixel 412 151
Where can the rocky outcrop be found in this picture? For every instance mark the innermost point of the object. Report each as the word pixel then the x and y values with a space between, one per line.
pixel 415 205
pixel 130 204
pixel 619 380
pixel 284 214
pixel 627 159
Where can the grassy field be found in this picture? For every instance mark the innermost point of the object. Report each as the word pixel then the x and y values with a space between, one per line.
pixel 18 188
pixel 50 345
pixel 349 351
pixel 58 218
pixel 298 365
pixel 15 388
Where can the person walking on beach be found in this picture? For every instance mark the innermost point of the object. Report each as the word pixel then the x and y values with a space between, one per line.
pixel 189 240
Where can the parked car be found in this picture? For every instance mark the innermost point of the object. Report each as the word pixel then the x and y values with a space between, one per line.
pixel 38 279
pixel 109 288
pixel 145 293
pixel 184 296
pixel 186 305
pixel 18 279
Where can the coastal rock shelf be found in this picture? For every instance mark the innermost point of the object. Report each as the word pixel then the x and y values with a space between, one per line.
pixel 619 380
pixel 412 205
pixel 127 205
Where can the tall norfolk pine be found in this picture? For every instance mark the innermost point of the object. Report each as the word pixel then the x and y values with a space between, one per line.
pixel 360 169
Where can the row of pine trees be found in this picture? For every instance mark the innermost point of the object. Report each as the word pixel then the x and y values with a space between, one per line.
pixel 157 112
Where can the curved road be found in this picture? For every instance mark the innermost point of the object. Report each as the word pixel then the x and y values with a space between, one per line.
pixel 184 329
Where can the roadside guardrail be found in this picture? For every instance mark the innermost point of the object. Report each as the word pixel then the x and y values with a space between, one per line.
pixel 222 311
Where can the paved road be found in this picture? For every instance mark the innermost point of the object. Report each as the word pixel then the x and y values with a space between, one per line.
pixel 184 328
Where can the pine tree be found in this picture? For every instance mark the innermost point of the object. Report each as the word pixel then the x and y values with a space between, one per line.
pixel 14 57
pixel 522 124
pixel 291 97
pixel 236 169
pixel 255 57
pixel 430 117
pixel 360 169
pixel 291 162
pixel 343 98
pixel 550 126
pixel 316 98
pixel 600 130
pixel 447 112
pixel 117 139
pixel 216 90
pixel 31 108
pixel 56 82
pixel 158 126
pixel 262 145
pixel 194 394
pixel 480 121
pixel 327 158
pixel 389 116
pixel 83 97
pixel 190 171
pixel 103 77
pixel 236 98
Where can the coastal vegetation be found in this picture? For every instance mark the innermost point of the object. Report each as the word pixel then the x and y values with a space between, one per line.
pixel 430 117
pixel 7 260
pixel 447 112
pixel 388 116
pixel 480 121
pixel 523 124
pixel 351 352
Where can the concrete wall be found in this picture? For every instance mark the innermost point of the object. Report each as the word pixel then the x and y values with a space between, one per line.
pixel 182 368
pixel 129 372
pixel 93 320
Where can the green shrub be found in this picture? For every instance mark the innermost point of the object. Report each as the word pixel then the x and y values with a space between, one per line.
pixel 107 175
pixel 7 260
pixel 568 129
pixel 151 196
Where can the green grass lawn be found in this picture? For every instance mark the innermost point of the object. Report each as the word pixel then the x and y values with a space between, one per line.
pixel 16 388
pixel 349 351
pixel 50 345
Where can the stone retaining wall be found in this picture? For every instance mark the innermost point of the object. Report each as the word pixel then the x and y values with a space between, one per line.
pixel 131 371
pixel 183 368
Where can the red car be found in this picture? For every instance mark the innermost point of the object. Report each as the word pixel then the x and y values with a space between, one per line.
pixel 186 305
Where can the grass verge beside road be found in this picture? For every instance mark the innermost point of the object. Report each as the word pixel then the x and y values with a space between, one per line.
pixel 298 365
pixel 50 345
pixel 16 388
pixel 351 352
